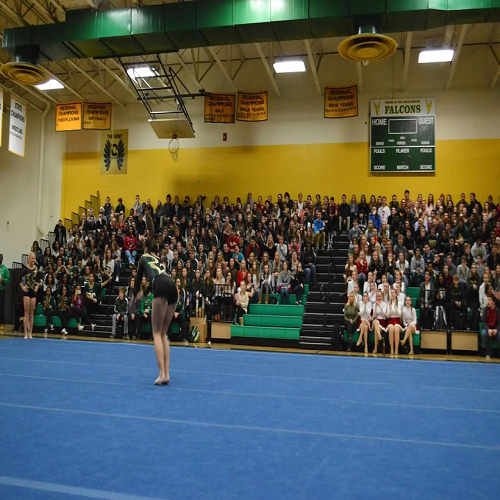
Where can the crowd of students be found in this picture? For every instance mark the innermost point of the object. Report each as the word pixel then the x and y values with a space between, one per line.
pixel 449 250
pixel 222 257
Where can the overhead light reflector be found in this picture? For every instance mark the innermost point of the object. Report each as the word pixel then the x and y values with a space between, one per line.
pixel 140 72
pixel 436 56
pixel 50 85
pixel 296 66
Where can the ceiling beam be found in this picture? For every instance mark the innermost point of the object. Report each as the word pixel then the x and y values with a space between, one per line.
pixel 268 69
pixel 13 15
pixel 193 78
pixel 312 65
pixel 458 48
pixel 116 77
pixel 226 75
pixel 57 5
pixel 448 35
pixel 94 83
pixel 42 13
pixel 406 60
pixel 497 74
pixel 62 82
pixel 360 77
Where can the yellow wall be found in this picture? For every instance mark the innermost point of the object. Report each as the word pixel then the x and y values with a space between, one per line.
pixel 331 169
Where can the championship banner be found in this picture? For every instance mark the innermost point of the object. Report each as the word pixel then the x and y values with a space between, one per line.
pixel 68 116
pixel 114 150
pixel 252 107
pixel 1 115
pixel 220 108
pixel 17 127
pixel 341 102
pixel 96 115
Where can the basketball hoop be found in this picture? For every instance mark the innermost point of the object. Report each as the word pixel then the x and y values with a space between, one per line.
pixel 173 147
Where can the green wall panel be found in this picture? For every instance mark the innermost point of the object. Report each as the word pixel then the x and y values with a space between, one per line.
pixel 148 28
pixel 364 7
pixel 328 19
pixel 181 25
pixel 252 20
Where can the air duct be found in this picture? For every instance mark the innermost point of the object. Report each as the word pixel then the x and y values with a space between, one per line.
pixel 368 45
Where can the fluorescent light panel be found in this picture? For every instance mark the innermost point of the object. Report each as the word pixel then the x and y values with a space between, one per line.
pixel 436 56
pixel 296 66
pixel 140 72
pixel 50 85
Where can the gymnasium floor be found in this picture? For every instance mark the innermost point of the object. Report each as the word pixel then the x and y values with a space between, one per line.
pixel 83 420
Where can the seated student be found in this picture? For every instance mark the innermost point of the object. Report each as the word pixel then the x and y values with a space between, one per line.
pixel 308 259
pixel 490 326
pixel 77 308
pixel 344 211
pixel 365 316
pixel 144 317
pixel 443 296
pixel 351 313
pixel 426 302
pixel 121 314
pixel 458 305
pixel 242 300
pixel 63 309
pixel 417 268
pixel 49 308
pixel 394 326
pixel 319 232
pixel 400 295
pixel 284 284
pixel 266 280
pixel 463 271
pixel 362 268
pixel 409 319
pixel 379 313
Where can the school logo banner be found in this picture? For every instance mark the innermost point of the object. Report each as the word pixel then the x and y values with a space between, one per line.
pixel 17 127
pixel 114 152
pixel 68 116
pixel 96 115
pixel 252 107
pixel 341 102
pixel 220 108
pixel 1 115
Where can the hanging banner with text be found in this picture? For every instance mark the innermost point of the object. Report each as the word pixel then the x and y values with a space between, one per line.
pixel 220 108
pixel 252 107
pixel 1 115
pixel 96 115
pixel 341 102
pixel 17 127
pixel 68 116
pixel 114 151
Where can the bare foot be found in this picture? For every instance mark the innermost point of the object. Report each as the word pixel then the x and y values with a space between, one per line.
pixel 161 381
pixel 25 336
pixel 31 337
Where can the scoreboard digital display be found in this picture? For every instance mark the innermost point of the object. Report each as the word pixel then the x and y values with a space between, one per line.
pixel 402 135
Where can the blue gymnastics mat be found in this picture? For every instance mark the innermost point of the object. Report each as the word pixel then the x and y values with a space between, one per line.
pixel 84 420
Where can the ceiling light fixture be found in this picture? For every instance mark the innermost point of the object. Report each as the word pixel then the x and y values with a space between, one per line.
pixel 436 56
pixel 295 66
pixel 52 84
pixel 140 72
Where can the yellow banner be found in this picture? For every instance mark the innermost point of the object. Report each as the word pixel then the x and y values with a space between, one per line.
pixel 220 108
pixel 96 115
pixel 341 102
pixel 68 116
pixel 252 107
pixel 114 152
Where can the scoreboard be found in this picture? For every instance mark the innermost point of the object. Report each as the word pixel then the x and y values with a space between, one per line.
pixel 402 135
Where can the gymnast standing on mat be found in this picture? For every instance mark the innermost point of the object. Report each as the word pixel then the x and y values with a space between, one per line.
pixel 164 301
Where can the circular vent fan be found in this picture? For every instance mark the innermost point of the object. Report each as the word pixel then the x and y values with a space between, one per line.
pixel 24 73
pixel 368 45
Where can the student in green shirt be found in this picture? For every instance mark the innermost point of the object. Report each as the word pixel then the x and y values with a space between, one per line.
pixel 4 280
pixel 351 313
pixel 146 308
